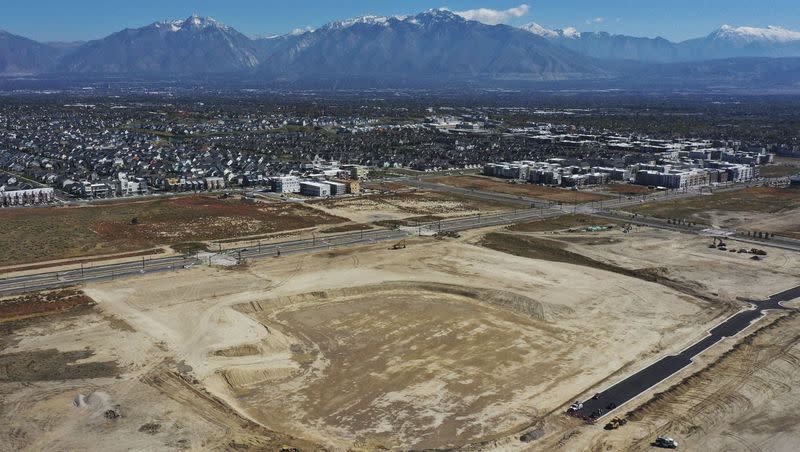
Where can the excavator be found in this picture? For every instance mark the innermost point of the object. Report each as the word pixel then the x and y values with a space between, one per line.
pixel 718 243
pixel 401 245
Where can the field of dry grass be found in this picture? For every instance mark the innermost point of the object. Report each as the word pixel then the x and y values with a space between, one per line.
pixel 626 189
pixel 784 166
pixel 33 235
pixel 561 222
pixel 534 191
pixel 767 209
pixel 756 199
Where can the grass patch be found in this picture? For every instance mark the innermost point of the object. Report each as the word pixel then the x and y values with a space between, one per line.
pixel 190 247
pixel 756 199
pixel 33 235
pixel 626 189
pixel 520 189
pixel 41 304
pixel 346 228
pixel 779 170
pixel 562 222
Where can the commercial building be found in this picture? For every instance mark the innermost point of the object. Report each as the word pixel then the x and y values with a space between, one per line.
pixel 317 189
pixel 336 188
pixel 286 184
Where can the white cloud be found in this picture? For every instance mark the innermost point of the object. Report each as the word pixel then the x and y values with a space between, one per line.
pixel 495 16
pixel 595 21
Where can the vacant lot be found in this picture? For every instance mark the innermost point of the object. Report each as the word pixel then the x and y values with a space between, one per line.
pixel 626 189
pixel 570 221
pixel 784 166
pixel 438 345
pixel 757 199
pixel 41 304
pixel 401 206
pixel 760 209
pixel 529 190
pixel 33 235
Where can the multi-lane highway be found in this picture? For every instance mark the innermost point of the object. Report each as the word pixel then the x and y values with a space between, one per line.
pixel 50 280
pixel 620 393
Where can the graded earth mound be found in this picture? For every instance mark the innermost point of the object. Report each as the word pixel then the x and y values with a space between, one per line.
pixel 400 364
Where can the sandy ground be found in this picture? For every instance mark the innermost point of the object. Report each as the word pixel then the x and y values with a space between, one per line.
pixel 735 398
pixel 687 258
pixel 310 346
pixel 407 204
pixel 443 344
pixel 784 223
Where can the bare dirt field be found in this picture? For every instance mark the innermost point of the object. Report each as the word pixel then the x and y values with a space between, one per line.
pixel 32 235
pixel 442 344
pixel 671 256
pixel 745 398
pixel 765 209
pixel 445 344
pixel 404 205
pixel 535 191
pixel 784 166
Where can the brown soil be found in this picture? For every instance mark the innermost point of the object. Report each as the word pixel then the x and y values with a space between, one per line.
pixel 51 364
pixel 83 260
pixel 562 222
pixel 41 304
pixel 57 233
pixel 551 250
pixel 530 190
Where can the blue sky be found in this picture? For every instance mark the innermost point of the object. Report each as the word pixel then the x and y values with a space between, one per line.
pixel 50 20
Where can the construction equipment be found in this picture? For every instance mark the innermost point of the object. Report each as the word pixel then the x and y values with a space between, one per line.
pixel 615 423
pixel 401 245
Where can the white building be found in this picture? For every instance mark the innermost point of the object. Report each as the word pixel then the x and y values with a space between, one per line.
pixel 286 184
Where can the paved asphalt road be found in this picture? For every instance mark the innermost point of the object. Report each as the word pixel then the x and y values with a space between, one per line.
pixel 50 280
pixel 622 392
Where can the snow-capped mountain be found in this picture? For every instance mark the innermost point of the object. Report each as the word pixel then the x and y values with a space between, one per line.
pixel 726 42
pixel 739 42
pixel 437 45
pixel 568 33
pixel 431 44
pixel 192 45
pixel 753 34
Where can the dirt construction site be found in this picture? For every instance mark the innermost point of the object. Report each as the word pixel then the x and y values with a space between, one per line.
pixel 468 342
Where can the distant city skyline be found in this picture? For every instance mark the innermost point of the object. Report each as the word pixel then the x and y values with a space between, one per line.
pixel 676 20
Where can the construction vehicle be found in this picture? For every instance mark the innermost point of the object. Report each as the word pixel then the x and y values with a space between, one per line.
pixel 615 423
pixel 718 243
pixel 401 245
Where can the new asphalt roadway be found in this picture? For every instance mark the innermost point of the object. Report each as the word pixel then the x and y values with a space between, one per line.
pixel 620 393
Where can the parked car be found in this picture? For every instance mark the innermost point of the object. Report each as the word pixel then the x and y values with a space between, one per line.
pixel 666 442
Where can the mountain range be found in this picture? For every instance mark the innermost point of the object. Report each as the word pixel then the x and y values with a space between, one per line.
pixel 436 45
pixel 726 42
